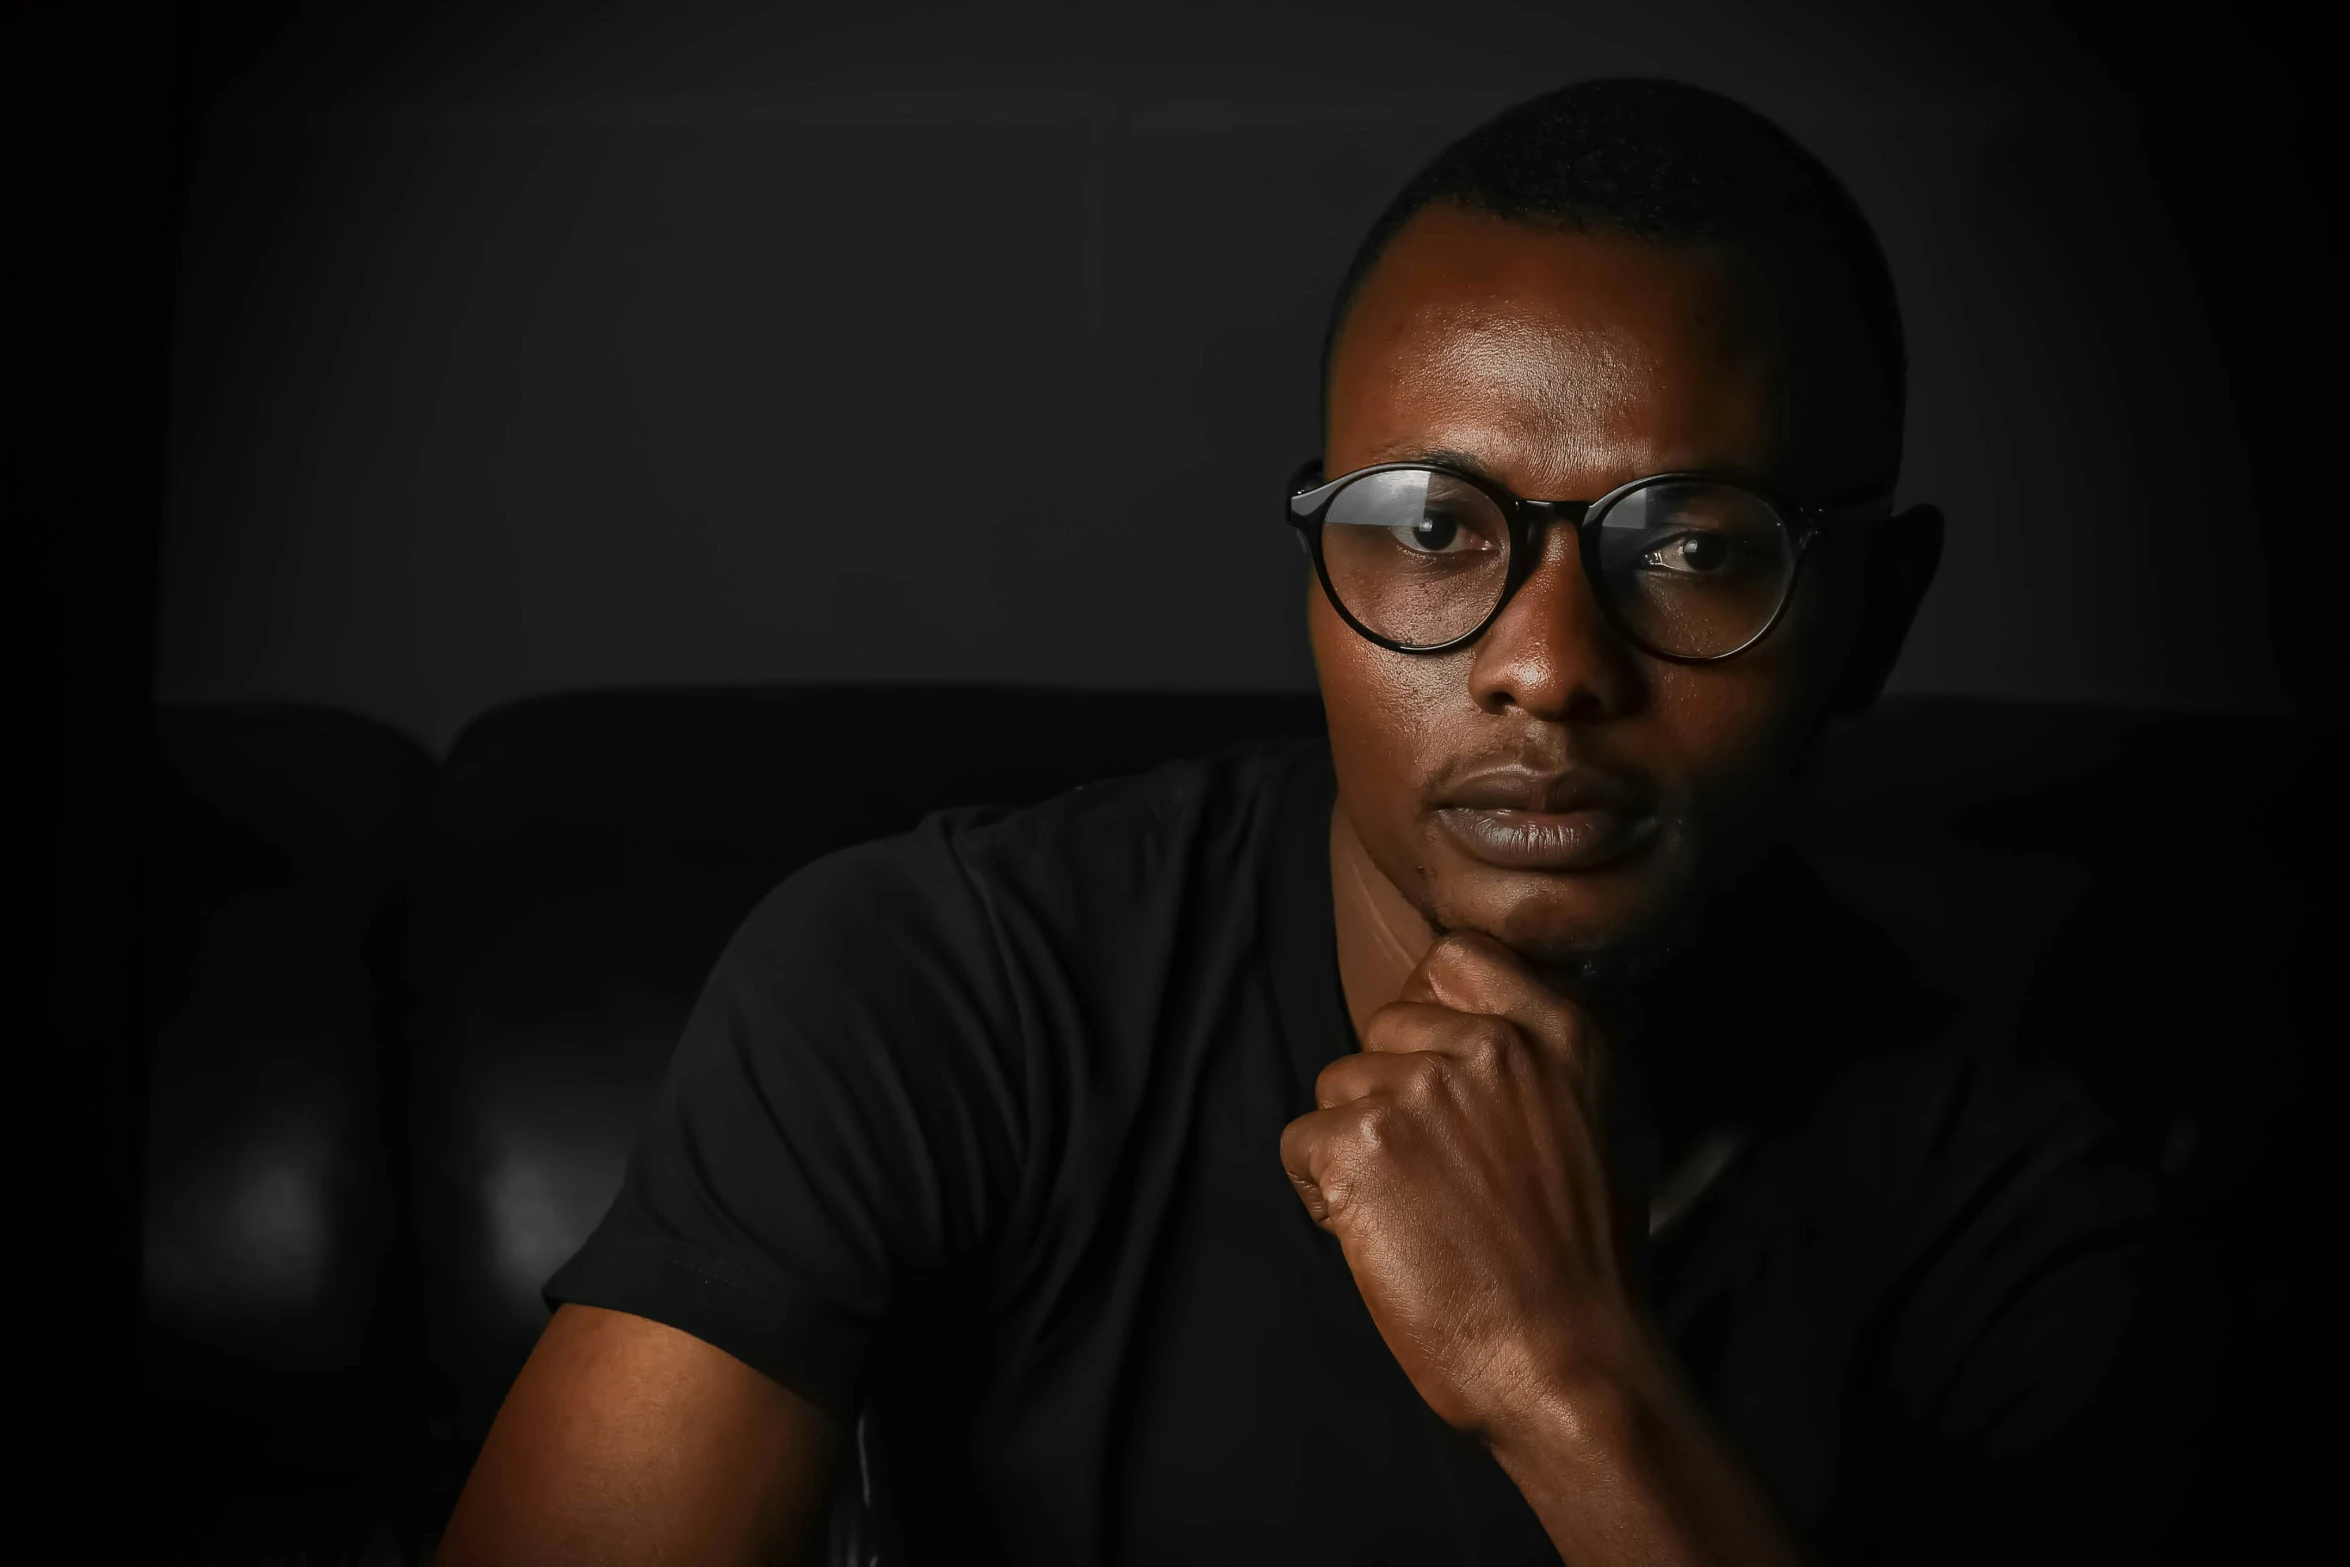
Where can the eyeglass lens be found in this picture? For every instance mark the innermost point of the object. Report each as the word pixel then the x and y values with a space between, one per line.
pixel 1688 567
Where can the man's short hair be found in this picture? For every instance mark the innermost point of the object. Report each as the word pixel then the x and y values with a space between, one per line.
pixel 1652 160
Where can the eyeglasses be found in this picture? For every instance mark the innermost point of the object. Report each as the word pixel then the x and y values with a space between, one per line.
pixel 1421 558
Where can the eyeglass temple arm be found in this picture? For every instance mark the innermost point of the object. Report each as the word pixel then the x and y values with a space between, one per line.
pixel 1874 504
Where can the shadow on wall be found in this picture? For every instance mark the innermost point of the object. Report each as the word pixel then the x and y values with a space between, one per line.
pixel 699 342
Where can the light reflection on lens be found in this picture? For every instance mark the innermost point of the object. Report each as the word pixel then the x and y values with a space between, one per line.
pixel 1692 568
pixel 1689 568
pixel 1416 555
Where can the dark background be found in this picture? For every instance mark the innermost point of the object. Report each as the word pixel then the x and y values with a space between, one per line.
pixel 527 347
pixel 412 358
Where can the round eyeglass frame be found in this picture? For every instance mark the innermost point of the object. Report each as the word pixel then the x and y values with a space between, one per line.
pixel 1311 495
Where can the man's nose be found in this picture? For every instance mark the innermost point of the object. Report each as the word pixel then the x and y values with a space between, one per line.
pixel 1552 652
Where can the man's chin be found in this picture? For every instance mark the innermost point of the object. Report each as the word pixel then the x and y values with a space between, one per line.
pixel 1592 928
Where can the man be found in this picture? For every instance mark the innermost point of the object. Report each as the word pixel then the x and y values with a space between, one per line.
pixel 1473 1140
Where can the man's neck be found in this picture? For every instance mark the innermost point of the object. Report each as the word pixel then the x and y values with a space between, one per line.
pixel 1381 937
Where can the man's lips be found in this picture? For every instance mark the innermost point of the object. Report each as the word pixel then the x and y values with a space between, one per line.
pixel 1572 821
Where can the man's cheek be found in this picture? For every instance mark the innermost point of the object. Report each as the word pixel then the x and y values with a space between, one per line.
pixel 1385 719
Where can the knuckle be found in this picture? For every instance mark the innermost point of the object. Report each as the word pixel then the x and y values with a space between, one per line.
pixel 1489 1045
pixel 1462 966
pixel 1385 1030
pixel 1454 954
pixel 1311 1141
pixel 1424 1076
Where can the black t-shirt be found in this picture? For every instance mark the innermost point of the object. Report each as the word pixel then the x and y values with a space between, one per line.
pixel 973 1140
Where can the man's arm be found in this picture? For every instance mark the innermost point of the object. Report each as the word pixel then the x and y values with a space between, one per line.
pixel 625 1441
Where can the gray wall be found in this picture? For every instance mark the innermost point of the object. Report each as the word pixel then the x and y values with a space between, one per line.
pixel 523 349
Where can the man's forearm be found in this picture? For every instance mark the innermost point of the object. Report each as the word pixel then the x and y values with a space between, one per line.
pixel 1629 1468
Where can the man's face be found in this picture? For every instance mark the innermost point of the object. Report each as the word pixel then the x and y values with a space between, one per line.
pixel 1561 366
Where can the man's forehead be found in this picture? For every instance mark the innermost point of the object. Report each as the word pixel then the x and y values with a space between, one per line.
pixel 1565 358
pixel 1538 399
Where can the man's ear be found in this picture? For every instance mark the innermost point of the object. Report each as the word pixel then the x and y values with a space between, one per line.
pixel 1903 551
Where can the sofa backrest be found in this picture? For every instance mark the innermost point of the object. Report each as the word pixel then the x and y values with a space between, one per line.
pixel 282 837
pixel 2091 874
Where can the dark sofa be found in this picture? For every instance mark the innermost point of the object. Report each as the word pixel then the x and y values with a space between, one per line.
pixel 404 1010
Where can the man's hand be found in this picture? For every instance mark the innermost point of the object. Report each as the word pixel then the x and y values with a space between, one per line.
pixel 1460 1163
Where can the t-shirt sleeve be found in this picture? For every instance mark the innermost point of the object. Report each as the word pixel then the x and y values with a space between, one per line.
pixel 836 1128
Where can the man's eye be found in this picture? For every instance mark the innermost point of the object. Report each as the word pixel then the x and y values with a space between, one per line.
pixel 1691 554
pixel 1437 534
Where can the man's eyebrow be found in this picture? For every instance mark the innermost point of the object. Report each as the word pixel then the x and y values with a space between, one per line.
pixel 1438 457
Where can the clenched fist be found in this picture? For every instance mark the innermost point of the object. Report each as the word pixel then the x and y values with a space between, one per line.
pixel 1459 1159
